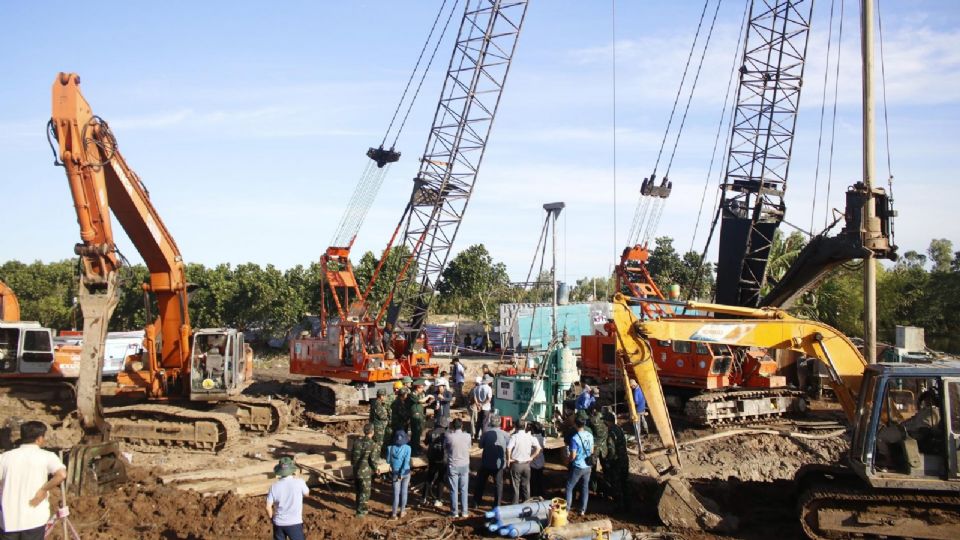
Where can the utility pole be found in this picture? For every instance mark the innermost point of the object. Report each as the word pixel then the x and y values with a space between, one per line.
pixel 870 223
pixel 553 212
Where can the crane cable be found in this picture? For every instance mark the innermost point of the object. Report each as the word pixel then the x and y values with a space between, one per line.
pixel 693 87
pixel 833 127
pixel 823 109
pixel 683 79
pixel 658 205
pixel 886 117
pixel 649 212
pixel 376 171
pixel 423 75
pixel 642 209
pixel 724 119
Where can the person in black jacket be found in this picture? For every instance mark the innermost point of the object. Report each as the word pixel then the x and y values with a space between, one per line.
pixel 434 442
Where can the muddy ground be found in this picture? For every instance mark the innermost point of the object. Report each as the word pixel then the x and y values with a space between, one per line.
pixel 748 476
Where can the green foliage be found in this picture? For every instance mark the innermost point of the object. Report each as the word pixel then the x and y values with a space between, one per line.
pixel 941 254
pixel 472 283
pixel 46 291
pixel 667 267
pixel 391 270
pixel 593 289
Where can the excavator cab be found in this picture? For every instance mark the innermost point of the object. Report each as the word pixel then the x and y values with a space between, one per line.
pixel 218 364
pixel 25 348
pixel 899 444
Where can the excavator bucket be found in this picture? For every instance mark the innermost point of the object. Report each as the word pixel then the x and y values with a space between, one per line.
pixel 93 467
pixel 683 508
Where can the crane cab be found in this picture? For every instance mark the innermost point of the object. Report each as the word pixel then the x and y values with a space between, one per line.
pixel 907 432
pixel 221 364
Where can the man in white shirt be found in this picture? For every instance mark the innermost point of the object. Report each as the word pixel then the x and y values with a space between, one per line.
pixel 27 475
pixel 484 403
pixel 522 449
pixel 285 501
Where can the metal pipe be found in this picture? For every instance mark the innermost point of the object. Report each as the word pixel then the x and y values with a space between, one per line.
pixel 869 210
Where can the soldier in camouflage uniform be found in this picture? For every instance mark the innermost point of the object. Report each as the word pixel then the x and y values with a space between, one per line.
pixel 364 464
pixel 616 465
pixel 400 411
pixel 599 430
pixel 416 403
pixel 380 419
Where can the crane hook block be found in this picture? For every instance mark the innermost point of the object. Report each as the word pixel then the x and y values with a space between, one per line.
pixel 382 157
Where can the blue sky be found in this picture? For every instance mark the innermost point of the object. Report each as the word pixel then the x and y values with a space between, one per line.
pixel 248 121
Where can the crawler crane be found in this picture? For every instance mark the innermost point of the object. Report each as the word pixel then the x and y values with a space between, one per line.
pixel 366 345
pixel 191 379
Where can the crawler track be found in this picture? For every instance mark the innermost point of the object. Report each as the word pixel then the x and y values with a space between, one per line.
pixel 172 426
pixel 742 406
pixel 828 513
pixel 258 414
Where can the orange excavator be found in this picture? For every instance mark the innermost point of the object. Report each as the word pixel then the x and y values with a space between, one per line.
pixel 186 387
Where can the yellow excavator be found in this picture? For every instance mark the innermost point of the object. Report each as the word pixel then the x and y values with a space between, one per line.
pixel 900 478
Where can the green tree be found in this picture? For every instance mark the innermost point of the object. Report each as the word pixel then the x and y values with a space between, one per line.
pixel 387 279
pixel 472 281
pixel 46 291
pixel 667 267
pixel 593 289
pixel 941 254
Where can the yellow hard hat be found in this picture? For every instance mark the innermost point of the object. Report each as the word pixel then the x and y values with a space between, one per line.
pixel 397 385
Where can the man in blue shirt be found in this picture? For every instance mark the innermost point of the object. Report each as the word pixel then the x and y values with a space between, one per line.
pixel 587 398
pixel 641 404
pixel 285 502
pixel 578 458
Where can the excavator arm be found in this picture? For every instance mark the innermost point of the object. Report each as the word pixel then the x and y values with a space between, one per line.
pixel 100 181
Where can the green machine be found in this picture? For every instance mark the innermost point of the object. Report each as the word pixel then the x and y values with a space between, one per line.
pixel 538 394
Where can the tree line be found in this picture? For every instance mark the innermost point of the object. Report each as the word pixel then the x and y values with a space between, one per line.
pixel 920 289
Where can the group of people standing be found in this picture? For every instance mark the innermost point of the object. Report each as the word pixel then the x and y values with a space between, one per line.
pixel 396 433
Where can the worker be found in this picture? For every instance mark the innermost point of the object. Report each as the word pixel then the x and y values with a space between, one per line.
pixel 285 501
pixel 27 475
pixel 408 382
pixel 522 449
pixel 586 398
pixel 641 404
pixel 399 410
pixel 493 461
pixel 380 418
pixel 580 461
pixel 484 403
pixel 485 369
pixel 458 467
pixel 435 443
pixel 416 403
pixel 474 405
pixel 616 463
pixel 363 463
pixel 443 397
pixel 598 428
pixel 398 456
pixel 539 461
pixel 459 376
pixel 387 338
